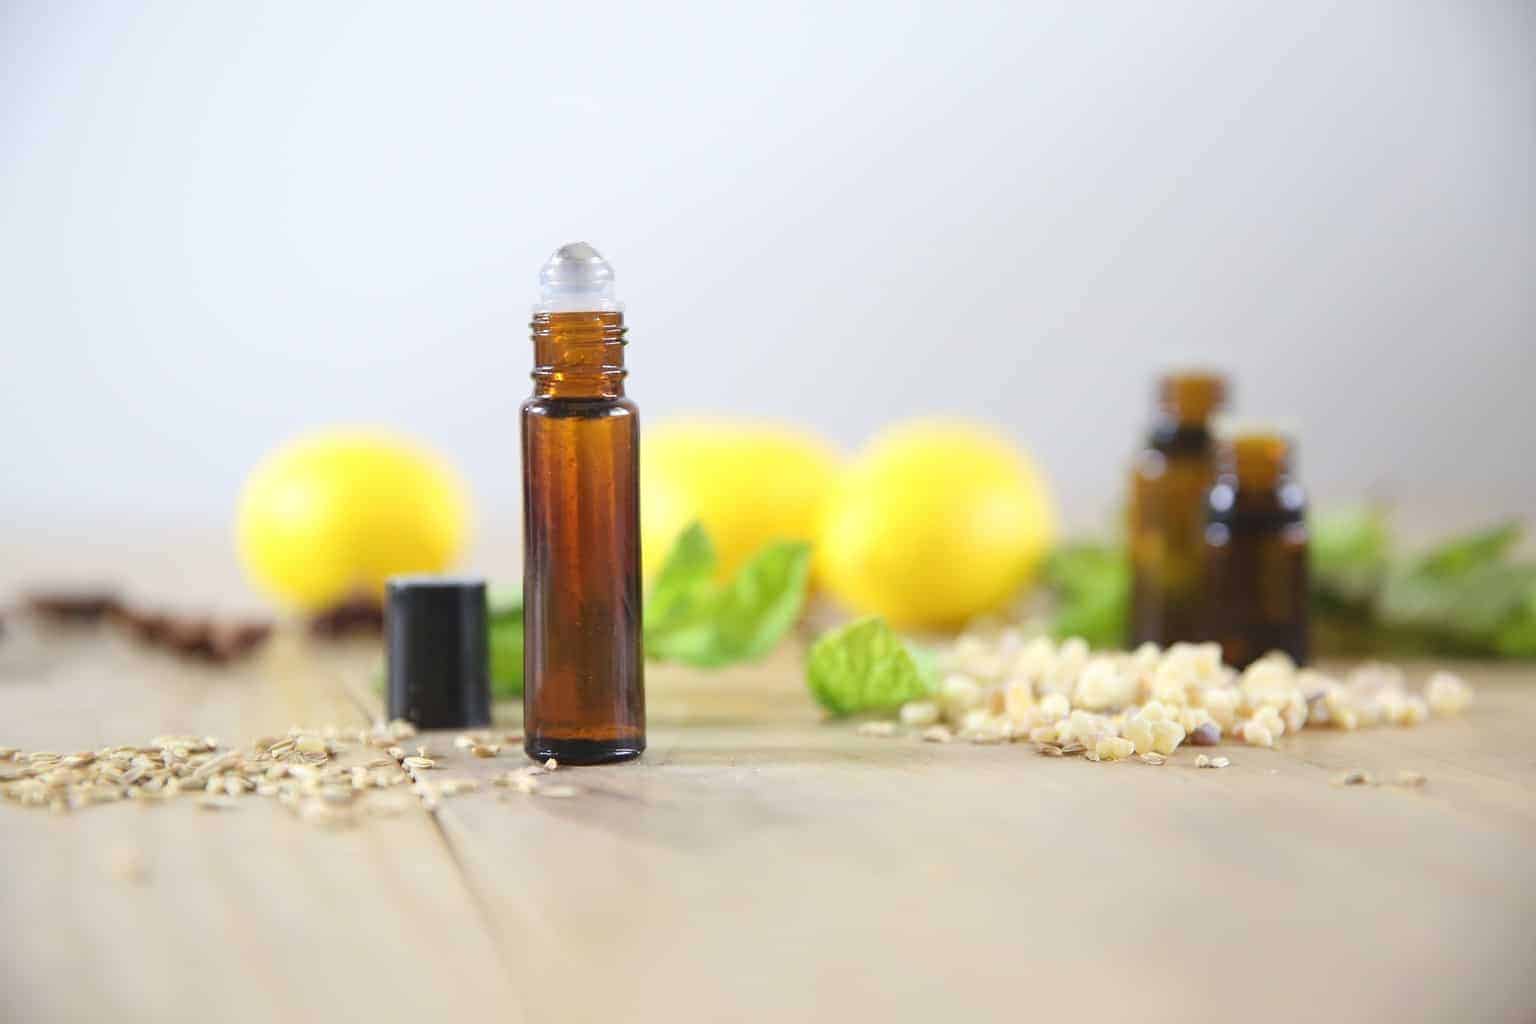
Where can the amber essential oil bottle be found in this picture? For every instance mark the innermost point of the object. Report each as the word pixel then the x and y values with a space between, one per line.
pixel 1256 552
pixel 584 695
pixel 1170 479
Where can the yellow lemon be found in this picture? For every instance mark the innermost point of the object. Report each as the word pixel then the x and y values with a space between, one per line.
pixel 748 483
pixel 339 512
pixel 937 522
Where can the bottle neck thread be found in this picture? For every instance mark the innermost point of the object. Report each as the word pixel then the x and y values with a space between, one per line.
pixel 1260 462
pixel 1190 399
pixel 578 355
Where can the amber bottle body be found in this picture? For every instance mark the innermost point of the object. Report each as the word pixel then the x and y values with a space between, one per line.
pixel 1256 559
pixel 584 695
pixel 1170 480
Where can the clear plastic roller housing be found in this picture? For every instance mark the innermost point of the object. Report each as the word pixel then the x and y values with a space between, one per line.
pixel 576 279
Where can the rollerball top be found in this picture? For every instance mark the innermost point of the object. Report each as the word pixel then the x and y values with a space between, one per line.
pixel 576 279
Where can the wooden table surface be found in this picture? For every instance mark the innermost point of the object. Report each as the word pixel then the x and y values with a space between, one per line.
pixel 760 864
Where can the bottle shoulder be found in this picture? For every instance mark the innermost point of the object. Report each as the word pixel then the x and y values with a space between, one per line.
pixel 1280 506
pixel 1181 440
pixel 580 408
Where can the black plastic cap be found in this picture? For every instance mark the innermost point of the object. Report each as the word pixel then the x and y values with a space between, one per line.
pixel 439 665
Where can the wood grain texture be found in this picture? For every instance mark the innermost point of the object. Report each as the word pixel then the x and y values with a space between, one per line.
pixel 243 915
pixel 761 864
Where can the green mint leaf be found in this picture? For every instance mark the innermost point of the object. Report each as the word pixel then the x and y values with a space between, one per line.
pixel 505 640
pixel 691 641
pixel 1091 584
pixel 692 620
pixel 1349 555
pixel 762 602
pixel 1468 609
pixel 684 589
pixel 1086 566
pixel 503 599
pixel 927 661
pixel 1471 551
pixel 1518 637
pixel 1099 617
pixel 863 666
pixel 1463 595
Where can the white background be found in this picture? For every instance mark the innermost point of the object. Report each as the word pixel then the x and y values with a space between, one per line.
pixel 222 224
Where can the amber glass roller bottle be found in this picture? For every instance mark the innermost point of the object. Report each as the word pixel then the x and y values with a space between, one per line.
pixel 584 696
pixel 1256 551
pixel 1170 479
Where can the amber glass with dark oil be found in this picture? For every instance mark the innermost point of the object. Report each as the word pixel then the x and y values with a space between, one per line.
pixel 1256 553
pixel 584 696
pixel 1170 479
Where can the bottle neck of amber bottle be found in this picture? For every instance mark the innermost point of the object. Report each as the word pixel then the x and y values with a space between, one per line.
pixel 578 355
pixel 584 687
pixel 1256 551
pixel 1170 477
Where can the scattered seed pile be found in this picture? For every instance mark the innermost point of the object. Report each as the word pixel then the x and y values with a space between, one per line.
pixel 324 776
pixel 1106 706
